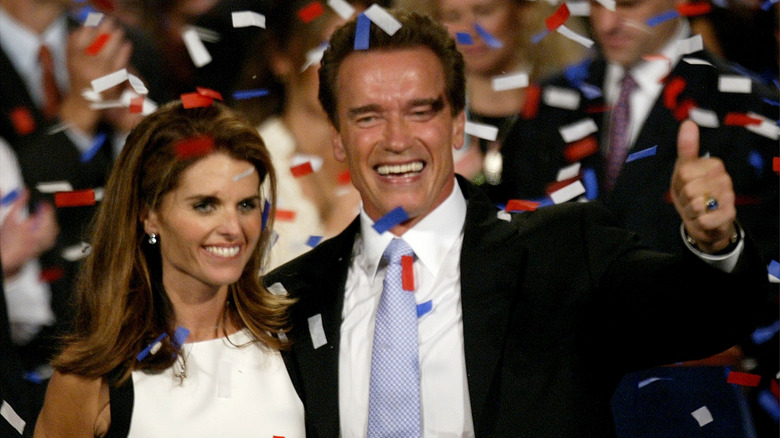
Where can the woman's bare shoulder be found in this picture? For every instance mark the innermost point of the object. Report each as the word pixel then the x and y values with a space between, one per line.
pixel 75 406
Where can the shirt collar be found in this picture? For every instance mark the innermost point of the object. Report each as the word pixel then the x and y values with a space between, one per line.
pixel 430 239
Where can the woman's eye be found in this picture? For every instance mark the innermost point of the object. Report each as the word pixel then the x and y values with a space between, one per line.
pixel 247 205
pixel 203 207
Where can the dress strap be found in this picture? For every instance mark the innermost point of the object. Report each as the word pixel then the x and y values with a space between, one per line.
pixel 121 399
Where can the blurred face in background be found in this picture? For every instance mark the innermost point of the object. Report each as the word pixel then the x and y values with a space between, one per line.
pixel 500 18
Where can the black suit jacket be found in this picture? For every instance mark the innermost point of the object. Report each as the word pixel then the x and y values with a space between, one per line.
pixel 534 151
pixel 556 306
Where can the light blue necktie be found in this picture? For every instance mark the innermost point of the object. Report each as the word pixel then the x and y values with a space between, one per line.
pixel 394 394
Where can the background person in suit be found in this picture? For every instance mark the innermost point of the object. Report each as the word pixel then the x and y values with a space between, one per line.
pixel 512 319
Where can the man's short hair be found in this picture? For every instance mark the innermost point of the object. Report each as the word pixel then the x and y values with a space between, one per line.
pixel 416 31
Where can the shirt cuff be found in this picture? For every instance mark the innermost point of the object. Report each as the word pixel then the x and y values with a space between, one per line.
pixel 723 262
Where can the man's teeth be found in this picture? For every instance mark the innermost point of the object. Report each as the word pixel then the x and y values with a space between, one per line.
pixel 400 169
pixel 222 251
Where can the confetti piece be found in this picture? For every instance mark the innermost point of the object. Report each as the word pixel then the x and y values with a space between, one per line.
pixel 344 178
pixel 390 220
pixel 740 119
pixel 574 36
pixel 464 38
pixel 342 8
pixel 536 38
pixel 195 100
pixel 561 98
pixel 8 413
pixel 568 193
pixel 644 153
pixel 137 84
pixel 578 130
pixel 424 308
pixel 407 273
pixel 278 289
pixel 249 94
pixel 591 183
pixel 650 380
pixel 22 120
pixel 533 96
pixel 692 9
pixel 379 16
pixel 179 336
pixel 284 215
pixel 93 19
pixel 489 39
pixel 10 197
pixel 362 32
pixel 672 91
pixel 734 84
pixel 704 118
pixel 558 18
pixel 503 215
pixel 580 149
pixel 194 146
pixel 509 81
pixel 776 164
pixel 515 205
pixel 53 186
pixel 767 128
pixel 76 252
pixel 767 4
pixel 569 171
pixel 310 12
pixel 110 80
pixel 769 403
pixel 136 105
pixel 244 174
pixel 148 350
pixel 608 4
pixel 774 268
pixel 662 18
pixel 97 143
pixel 266 214
pixel 98 44
pixel 313 241
pixel 743 379
pixel 207 92
pixel 763 335
pixel 104 5
pixel 76 198
pixel 314 56
pixel 481 130
pixel 576 73
pixel 702 416
pixel 301 170
pixel 52 274
pixel 198 53
pixel 690 45
pixel 316 331
pixel 579 8
pixel 697 61
pixel 247 19
pixel 682 111
pixel 590 91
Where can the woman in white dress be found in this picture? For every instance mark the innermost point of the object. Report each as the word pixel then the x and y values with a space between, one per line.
pixel 175 334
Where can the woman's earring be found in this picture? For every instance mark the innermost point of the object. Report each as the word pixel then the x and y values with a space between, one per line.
pixel 152 239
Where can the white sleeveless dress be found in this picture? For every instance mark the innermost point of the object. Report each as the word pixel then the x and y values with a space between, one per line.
pixel 231 390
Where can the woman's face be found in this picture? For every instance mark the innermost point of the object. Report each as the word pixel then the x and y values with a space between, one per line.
pixel 209 225
pixel 499 18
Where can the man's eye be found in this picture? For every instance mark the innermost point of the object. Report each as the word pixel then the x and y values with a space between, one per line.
pixel 423 114
pixel 365 120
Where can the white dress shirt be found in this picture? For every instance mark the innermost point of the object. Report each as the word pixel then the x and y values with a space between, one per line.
pixel 436 241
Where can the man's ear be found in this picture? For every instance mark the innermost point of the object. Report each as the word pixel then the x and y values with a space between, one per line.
pixel 458 130
pixel 339 152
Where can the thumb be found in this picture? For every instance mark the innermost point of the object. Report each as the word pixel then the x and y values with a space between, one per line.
pixel 688 141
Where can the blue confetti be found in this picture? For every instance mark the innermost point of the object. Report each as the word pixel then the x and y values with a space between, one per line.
pixel 145 352
pixel 649 152
pixel 770 404
pixel 591 183
pixel 777 83
pixel 266 214
pixel 490 40
pixel 464 38
pixel 362 32
pixel 249 94
pixel 666 16
pixel 771 101
pixel 544 201
pixel 576 73
pixel 100 139
pixel 767 4
pixel 82 13
pixel 590 91
pixel 34 377
pixel 539 36
pixel 756 161
pixel 313 241
pixel 774 268
pixel 390 220
pixel 10 197
pixel 179 336
pixel 763 334
pixel 424 308
pixel 721 3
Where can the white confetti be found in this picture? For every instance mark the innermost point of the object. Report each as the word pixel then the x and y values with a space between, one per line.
pixel 568 193
pixel 504 215
pixel 690 45
pixel 734 84
pixel 244 174
pixel 277 289
pixel 561 98
pixel 481 130
pixel 343 8
pixel 247 19
pixel 7 412
pixel 578 130
pixel 110 80
pixel 93 19
pixel 316 331
pixel 54 187
pixel 703 416
pixel 379 16
pixel 510 81
pixel 766 128
pixel 609 4
pixel 697 61
pixel 198 53
pixel 574 36
pixel 569 171
pixel 579 8
pixel 314 56
pixel 137 84
pixel 704 118
pixel 76 252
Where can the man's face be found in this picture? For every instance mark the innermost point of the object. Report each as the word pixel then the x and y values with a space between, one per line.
pixel 397 131
pixel 624 35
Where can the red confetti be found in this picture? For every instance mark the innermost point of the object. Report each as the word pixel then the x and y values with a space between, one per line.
pixel 301 170
pixel 691 9
pixel 533 95
pixel 407 273
pixel 23 120
pixel 744 379
pixel 557 185
pixel 580 149
pixel 684 108
pixel 137 104
pixel 596 109
pixel 740 119
pixel 311 11
pixel 344 178
pixel 194 146
pixel 104 5
pixel 558 18
pixel 285 215
pixel 195 100
pixel 76 198
pixel 50 275
pixel 775 389
pixel 521 205
pixel 672 91
pixel 207 92
pixel 776 164
pixel 98 44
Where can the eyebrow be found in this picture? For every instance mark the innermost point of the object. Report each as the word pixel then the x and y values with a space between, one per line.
pixel 437 104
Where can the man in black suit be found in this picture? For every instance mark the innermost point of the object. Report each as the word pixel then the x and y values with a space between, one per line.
pixel 514 314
